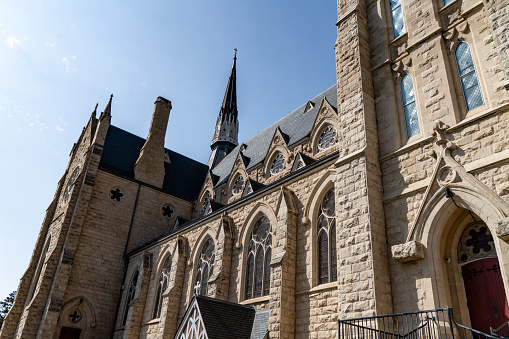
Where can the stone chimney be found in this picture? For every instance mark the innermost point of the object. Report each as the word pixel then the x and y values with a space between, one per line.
pixel 149 167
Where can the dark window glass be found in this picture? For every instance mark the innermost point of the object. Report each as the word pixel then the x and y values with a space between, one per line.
pixel 323 258
pixel 333 253
pixel 266 277
pixel 259 273
pixel 130 296
pixel 205 267
pixel 468 77
pixel 258 262
pixel 326 239
pixel 249 276
pixel 162 285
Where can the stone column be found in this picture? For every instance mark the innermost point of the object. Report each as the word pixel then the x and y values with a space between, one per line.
pixel 363 272
pixel 171 297
pixel 282 282
pixel 219 282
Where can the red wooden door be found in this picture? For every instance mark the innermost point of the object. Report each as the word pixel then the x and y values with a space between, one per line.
pixel 70 333
pixel 486 299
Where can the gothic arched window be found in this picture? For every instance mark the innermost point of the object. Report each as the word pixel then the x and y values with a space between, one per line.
pixel 205 204
pixel 328 137
pixel 258 259
pixel 238 185
pixel 326 240
pixel 468 77
pixel 131 292
pixel 409 106
pixel 398 24
pixel 205 267
pixel 278 164
pixel 162 285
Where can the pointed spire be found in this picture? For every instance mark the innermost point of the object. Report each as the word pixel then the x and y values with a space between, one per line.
pixel 107 109
pixel 94 113
pixel 229 106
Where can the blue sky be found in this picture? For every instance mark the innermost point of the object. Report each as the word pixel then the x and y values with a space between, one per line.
pixel 59 58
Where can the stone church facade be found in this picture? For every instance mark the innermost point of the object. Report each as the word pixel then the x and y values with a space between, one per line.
pixel 377 196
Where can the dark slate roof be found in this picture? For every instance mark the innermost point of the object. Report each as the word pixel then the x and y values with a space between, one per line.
pixel 295 126
pixel 184 176
pixel 260 325
pixel 224 319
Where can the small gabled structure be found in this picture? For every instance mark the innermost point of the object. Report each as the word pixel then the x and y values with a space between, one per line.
pixel 327 116
pixel 301 160
pixel 209 318
pixel 278 145
pixel 251 187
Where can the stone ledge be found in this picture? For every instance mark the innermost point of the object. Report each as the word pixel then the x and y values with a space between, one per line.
pixel 502 229
pixel 409 251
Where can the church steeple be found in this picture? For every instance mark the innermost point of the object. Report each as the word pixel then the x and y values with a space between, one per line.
pixel 227 125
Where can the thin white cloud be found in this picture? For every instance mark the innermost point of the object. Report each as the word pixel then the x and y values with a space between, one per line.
pixel 13 42
pixel 59 128
pixel 69 64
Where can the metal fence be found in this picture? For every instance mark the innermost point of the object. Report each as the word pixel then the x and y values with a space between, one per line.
pixel 430 324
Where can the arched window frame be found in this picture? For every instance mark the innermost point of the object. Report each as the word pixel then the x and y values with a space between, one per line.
pixel 204 267
pixel 130 296
pixel 468 73
pixel 40 264
pixel 258 251
pixel 321 131
pixel 207 196
pixel 278 156
pixel 325 222
pixel 161 286
pixel 409 107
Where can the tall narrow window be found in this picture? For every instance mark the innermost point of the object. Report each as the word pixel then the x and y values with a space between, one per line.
pixel 131 292
pixel 468 78
pixel 205 267
pixel 205 204
pixel 258 260
pixel 397 18
pixel 162 285
pixel 409 106
pixel 326 240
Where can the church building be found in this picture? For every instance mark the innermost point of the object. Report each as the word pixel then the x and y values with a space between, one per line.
pixel 387 193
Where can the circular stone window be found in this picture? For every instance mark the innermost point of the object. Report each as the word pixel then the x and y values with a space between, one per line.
pixel 117 194
pixel 328 138
pixel 238 185
pixel 168 211
pixel 278 164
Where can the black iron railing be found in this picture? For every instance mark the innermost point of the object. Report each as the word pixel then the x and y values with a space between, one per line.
pixel 501 331
pixel 431 324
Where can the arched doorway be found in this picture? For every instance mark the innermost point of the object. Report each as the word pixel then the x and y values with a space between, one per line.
pixel 482 280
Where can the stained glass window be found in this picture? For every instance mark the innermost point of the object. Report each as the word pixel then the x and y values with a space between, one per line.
pixel 468 77
pixel 205 267
pixel 326 240
pixel 238 185
pixel 258 260
pixel 328 137
pixel 131 292
pixel 409 106
pixel 397 18
pixel 162 285
pixel 278 164
pixel 205 204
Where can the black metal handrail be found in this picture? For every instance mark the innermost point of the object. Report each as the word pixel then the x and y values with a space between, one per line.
pixel 432 324
pixel 502 331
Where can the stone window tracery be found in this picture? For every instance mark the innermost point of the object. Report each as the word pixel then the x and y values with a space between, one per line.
pixel 468 77
pixel 205 204
pixel 162 285
pixel 205 267
pixel 409 106
pixel 328 137
pixel 238 185
pixel 258 260
pixel 116 194
pixel 476 242
pixel 70 184
pixel 326 240
pixel 168 211
pixel 278 164
pixel 131 292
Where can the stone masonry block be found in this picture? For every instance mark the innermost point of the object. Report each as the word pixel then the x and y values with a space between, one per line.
pixel 408 251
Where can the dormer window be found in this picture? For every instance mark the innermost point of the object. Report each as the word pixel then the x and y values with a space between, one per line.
pixel 278 164
pixel 205 204
pixel 328 137
pixel 238 185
